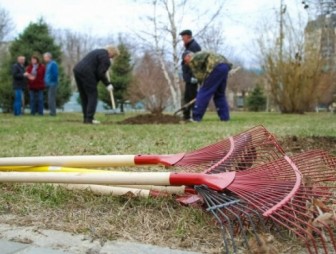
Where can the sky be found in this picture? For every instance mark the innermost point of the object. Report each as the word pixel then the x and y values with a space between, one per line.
pixel 240 18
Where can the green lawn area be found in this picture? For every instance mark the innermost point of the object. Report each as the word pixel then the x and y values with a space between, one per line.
pixel 157 221
pixel 66 135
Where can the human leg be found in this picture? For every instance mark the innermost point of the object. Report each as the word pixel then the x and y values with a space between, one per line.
pixel 222 106
pixel 40 102
pixel 92 95
pixel 17 102
pixel 204 95
pixel 189 95
pixel 82 94
pixel 32 102
pixel 52 100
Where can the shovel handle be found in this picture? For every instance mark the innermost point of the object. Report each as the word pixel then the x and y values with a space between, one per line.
pixel 112 99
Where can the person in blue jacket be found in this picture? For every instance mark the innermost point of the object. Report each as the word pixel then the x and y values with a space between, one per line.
pixel 51 81
pixel 19 83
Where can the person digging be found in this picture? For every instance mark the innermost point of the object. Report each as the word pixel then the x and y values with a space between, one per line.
pixel 212 71
pixel 88 72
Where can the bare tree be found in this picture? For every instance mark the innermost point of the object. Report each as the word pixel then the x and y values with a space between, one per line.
pixel 213 39
pixel 149 85
pixel 6 24
pixel 162 35
pixel 74 47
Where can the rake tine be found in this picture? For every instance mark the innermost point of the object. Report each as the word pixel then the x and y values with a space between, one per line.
pixel 215 212
pixel 228 204
pixel 208 202
pixel 227 209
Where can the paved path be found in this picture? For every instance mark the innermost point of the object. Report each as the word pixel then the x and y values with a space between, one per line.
pixel 29 240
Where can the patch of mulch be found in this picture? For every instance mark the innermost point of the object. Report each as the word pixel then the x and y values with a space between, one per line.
pixel 296 144
pixel 152 119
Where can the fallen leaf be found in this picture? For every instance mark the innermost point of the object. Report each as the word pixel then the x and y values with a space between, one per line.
pixel 323 220
pixel 324 208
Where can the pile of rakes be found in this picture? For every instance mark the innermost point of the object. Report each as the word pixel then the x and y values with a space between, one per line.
pixel 246 181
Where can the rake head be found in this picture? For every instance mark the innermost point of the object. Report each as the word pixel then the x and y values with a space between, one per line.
pixel 234 216
pixel 250 148
pixel 310 214
pixel 296 194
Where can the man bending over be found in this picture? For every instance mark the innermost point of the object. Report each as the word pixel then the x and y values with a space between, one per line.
pixel 212 70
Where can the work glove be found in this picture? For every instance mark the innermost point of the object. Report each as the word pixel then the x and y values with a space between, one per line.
pixel 109 88
pixel 193 80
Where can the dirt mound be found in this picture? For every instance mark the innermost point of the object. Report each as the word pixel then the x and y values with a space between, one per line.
pixel 298 144
pixel 152 119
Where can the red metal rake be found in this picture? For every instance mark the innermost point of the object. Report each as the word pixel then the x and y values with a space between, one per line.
pixel 296 193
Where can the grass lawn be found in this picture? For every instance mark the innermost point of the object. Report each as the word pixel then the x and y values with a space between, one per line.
pixel 160 221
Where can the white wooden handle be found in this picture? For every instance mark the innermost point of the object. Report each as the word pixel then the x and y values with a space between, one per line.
pixel 112 100
pixel 121 178
pixel 71 161
pixel 107 190
pixel 166 189
pixel 49 169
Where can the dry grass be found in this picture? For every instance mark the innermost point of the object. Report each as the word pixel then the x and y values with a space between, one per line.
pixel 158 221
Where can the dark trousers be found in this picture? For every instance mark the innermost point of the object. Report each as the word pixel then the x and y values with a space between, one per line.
pixel 189 94
pixel 87 88
pixel 52 99
pixel 36 102
pixel 214 86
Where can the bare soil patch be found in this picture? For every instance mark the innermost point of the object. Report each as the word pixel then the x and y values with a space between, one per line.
pixel 294 144
pixel 152 119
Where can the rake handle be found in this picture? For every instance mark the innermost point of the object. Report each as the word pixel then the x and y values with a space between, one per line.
pixel 121 178
pixel 91 160
pixel 216 182
pixel 71 161
pixel 107 190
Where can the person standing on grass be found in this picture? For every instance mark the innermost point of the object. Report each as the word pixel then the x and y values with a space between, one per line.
pixel 211 69
pixel 88 72
pixel 191 83
pixel 19 84
pixel 51 81
pixel 35 73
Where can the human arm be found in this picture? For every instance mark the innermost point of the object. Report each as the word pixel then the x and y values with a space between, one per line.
pixel 28 74
pixel 194 47
pixel 54 72
pixel 17 74
pixel 104 64
pixel 198 65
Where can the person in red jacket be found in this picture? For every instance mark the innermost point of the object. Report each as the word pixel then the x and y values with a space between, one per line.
pixel 35 73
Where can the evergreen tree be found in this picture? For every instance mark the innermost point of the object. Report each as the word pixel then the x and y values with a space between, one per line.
pixel 256 101
pixel 6 90
pixel 121 77
pixel 36 38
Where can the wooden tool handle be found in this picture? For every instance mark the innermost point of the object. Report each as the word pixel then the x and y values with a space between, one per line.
pixel 216 181
pixel 71 161
pixel 112 100
pixel 47 169
pixel 121 178
pixel 107 190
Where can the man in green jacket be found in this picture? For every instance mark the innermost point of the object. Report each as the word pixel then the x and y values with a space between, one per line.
pixel 212 71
